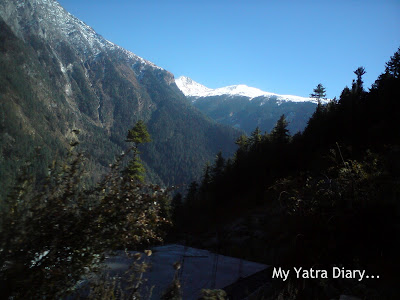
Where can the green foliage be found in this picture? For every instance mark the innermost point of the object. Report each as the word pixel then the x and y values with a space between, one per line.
pixel 103 286
pixel 138 134
pixel 135 169
pixel 347 184
pixel 53 236
pixel 213 295
pixel 191 139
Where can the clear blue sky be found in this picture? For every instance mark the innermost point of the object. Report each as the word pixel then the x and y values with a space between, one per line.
pixel 285 47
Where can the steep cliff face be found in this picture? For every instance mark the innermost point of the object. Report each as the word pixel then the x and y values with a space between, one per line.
pixel 57 74
pixel 89 71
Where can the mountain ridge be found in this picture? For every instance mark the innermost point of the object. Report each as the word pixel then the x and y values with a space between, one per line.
pixel 195 90
pixel 246 108
pixel 53 18
pixel 57 75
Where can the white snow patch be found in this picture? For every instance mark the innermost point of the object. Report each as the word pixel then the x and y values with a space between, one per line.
pixel 38 258
pixel 68 90
pixel 62 68
pixel 191 88
pixel 60 25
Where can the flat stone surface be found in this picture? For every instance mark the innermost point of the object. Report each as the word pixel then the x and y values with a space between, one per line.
pixel 197 269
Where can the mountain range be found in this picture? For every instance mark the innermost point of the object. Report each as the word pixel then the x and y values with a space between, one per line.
pixel 247 107
pixel 58 76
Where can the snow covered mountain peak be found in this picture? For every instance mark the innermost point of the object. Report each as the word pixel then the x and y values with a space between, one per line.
pixel 51 22
pixel 240 90
pixel 191 88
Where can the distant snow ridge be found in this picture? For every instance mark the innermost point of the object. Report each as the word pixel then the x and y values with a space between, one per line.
pixel 191 88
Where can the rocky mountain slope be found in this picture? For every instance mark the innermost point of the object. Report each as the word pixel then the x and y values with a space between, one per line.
pixel 247 107
pixel 57 74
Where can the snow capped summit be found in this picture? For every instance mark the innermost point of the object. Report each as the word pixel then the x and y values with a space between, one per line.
pixel 244 107
pixel 50 21
pixel 239 90
pixel 191 88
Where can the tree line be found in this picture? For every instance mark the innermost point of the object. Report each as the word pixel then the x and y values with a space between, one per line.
pixel 335 182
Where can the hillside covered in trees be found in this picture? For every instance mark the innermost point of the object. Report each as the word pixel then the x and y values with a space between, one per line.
pixel 328 196
pixel 58 75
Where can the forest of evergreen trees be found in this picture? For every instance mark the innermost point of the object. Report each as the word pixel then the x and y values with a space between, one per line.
pixel 329 195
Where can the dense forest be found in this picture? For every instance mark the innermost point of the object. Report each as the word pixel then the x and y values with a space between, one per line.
pixel 323 197
pixel 102 97
pixel 239 112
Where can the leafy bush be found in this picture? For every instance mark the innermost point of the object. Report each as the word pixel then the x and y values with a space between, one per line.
pixel 50 238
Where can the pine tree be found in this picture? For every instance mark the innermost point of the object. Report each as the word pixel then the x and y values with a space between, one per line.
pixel 393 65
pixel 243 142
pixel 137 135
pixel 218 167
pixel 319 93
pixel 206 177
pixel 392 71
pixel 135 169
pixel 255 137
pixel 359 83
pixel 280 133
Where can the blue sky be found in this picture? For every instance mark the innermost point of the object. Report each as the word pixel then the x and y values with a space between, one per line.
pixel 285 47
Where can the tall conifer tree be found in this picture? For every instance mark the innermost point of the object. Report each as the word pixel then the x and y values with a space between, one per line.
pixel 280 133
pixel 319 93
pixel 137 135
